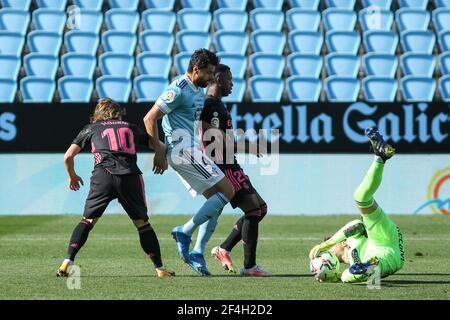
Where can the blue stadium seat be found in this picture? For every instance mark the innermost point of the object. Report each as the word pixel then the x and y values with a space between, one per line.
pixel 156 41
pixel 380 65
pixel 442 3
pixel 11 43
pixel 122 20
pixel 37 90
pixel 238 91
pixel 444 40
pixel 304 64
pixel 268 41
pixel 264 64
pixel 231 41
pixel 417 64
pixel 382 4
pixel 303 19
pixel 182 61
pixel 154 64
pixel 303 89
pixel 119 41
pixel 116 88
pixel 236 62
pixel 230 19
pixel 14 20
pixel 341 89
pixel 86 20
pixel 40 65
pixel 418 41
pixel 9 67
pixel 265 89
pixel 441 19
pixel 192 40
pixel 341 64
pixel 159 20
pixel 149 88
pixel 444 88
pixel 52 4
pixel 8 88
pixel 380 41
pixel 81 42
pixel 418 89
pixel 124 4
pixel 194 20
pixel 116 64
pixel 271 4
pixel 344 4
pixel 266 19
pixel 412 19
pixel 370 19
pixel 49 20
pixel 305 41
pixel 89 4
pixel 16 4
pixel 444 63
pixel 418 4
pixel 78 65
pixel 305 4
pixel 339 19
pixel 166 5
pixel 75 89
pixel 232 4
pixel 196 4
pixel 379 89
pixel 343 41
pixel 44 42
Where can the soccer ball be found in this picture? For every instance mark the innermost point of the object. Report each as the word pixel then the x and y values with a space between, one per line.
pixel 325 267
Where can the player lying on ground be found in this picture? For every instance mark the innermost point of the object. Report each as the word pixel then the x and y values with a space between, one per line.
pixel 115 176
pixel 376 241
pixel 180 105
pixel 215 116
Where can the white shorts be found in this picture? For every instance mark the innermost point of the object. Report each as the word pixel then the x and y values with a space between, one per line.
pixel 197 172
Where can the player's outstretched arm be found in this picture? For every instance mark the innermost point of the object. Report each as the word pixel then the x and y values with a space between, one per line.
pixel 351 229
pixel 151 126
pixel 74 179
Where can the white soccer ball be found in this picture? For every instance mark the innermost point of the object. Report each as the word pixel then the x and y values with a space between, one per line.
pixel 325 267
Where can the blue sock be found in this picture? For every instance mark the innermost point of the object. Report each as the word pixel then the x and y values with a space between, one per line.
pixel 204 234
pixel 211 208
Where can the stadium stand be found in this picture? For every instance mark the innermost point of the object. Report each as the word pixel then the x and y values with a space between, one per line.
pixel 316 50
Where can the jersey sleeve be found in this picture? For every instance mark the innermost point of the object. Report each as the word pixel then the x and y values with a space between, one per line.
pixel 170 99
pixel 84 137
pixel 140 136
pixel 213 114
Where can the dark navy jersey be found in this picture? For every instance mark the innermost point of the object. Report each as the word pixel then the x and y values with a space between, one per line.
pixel 217 115
pixel 113 144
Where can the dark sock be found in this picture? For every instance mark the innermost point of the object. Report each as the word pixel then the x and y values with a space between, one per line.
pixel 234 237
pixel 150 244
pixel 78 239
pixel 250 237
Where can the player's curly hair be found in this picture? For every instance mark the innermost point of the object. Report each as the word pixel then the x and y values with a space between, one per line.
pixel 202 58
pixel 106 109
pixel 220 68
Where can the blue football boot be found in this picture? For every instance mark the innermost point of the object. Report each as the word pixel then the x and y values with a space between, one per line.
pixel 198 263
pixel 183 241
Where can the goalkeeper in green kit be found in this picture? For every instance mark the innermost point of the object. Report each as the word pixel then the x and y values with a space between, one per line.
pixel 375 241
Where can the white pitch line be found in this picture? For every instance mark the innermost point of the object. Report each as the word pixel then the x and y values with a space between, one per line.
pixel 101 238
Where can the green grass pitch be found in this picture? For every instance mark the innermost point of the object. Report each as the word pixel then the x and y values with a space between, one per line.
pixel 113 265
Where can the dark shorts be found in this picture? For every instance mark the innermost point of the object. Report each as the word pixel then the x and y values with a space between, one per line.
pixel 105 187
pixel 240 181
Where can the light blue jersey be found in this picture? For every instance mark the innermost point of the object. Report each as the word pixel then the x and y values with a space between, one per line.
pixel 181 102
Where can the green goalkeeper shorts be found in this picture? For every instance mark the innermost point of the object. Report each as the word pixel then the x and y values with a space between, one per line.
pixel 385 241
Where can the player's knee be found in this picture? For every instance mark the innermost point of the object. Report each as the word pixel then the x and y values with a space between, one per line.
pixel 254 216
pixel 263 208
pixel 139 223
pixel 89 222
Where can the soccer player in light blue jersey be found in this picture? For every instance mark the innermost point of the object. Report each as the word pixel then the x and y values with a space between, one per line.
pixel 180 106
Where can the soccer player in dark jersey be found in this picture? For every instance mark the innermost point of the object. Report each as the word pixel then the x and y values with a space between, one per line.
pixel 215 116
pixel 115 176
